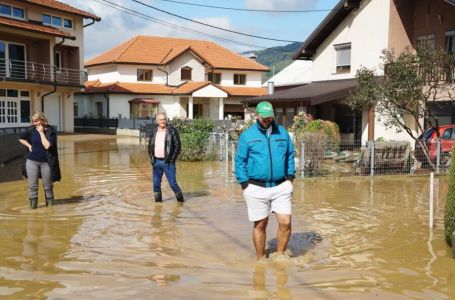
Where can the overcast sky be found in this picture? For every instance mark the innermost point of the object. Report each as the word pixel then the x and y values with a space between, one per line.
pixel 118 26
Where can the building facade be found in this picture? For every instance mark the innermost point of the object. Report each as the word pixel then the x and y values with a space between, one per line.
pixel 346 40
pixel 184 78
pixel 41 61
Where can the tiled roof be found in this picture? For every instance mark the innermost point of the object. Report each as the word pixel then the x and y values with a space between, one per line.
pixel 185 89
pixel 244 91
pixel 29 26
pixel 155 50
pixel 126 87
pixel 53 4
pixel 190 87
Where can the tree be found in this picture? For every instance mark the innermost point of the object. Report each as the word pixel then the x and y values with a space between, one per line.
pixel 411 84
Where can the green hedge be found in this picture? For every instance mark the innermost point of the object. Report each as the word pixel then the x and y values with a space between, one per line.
pixel 449 216
pixel 194 136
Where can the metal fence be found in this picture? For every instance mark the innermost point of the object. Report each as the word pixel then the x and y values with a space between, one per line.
pixel 38 72
pixel 348 158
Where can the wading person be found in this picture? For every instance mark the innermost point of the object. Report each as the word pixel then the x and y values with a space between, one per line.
pixel 41 158
pixel 164 148
pixel 264 167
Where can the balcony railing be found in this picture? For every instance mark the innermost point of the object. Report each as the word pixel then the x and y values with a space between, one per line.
pixel 43 73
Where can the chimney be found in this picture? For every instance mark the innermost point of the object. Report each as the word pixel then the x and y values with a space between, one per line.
pixel 252 56
pixel 271 87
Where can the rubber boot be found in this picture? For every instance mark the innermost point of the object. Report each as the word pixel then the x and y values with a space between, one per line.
pixel 158 197
pixel 50 201
pixel 33 203
pixel 179 197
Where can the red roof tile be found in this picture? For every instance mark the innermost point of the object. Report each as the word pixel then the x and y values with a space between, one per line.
pixel 156 50
pixel 62 7
pixel 29 26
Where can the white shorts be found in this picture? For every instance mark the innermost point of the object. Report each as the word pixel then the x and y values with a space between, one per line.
pixel 260 200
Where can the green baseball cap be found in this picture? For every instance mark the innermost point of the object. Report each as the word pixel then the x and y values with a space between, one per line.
pixel 265 109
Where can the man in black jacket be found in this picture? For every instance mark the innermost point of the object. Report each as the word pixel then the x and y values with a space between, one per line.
pixel 164 148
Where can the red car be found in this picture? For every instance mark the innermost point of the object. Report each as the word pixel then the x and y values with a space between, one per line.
pixel 447 134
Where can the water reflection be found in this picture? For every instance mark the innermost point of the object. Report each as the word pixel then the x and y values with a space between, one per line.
pixel 107 237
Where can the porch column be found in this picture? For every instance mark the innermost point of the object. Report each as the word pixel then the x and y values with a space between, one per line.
pixel 220 109
pixel 190 108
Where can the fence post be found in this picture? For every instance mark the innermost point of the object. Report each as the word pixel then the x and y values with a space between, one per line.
pixel 372 158
pixel 302 159
pixel 218 135
pixel 438 155
pixel 226 153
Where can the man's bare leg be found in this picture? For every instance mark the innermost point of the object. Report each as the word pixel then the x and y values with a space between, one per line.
pixel 283 232
pixel 259 235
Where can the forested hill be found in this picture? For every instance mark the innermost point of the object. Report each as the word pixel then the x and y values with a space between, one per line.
pixel 276 58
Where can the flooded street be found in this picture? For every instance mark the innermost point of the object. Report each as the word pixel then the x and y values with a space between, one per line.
pixel 106 238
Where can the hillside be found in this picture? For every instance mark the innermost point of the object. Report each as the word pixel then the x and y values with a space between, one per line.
pixel 276 58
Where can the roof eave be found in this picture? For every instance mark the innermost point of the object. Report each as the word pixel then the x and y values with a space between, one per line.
pixel 330 22
pixel 83 15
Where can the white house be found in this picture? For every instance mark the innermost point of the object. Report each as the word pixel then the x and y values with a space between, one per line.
pixel 182 77
pixel 41 61
pixel 297 73
pixel 353 35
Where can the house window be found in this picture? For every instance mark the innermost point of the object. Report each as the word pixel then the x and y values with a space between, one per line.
pixel 75 109
pixel 14 109
pixel 426 42
pixel 11 11
pixel 239 79
pixel 56 21
pixel 450 41
pixel 343 58
pixel 144 75
pixel 143 110
pixel 67 23
pixel 214 77
pixel 185 73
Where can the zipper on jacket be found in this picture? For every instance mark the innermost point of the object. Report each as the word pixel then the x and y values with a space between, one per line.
pixel 270 154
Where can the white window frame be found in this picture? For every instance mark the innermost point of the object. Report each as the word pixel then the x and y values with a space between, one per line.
pixel 6 111
pixel 12 16
pixel 7 58
pixel 343 68
pixel 57 16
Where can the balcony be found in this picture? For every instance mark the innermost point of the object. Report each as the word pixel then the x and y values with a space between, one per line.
pixel 27 71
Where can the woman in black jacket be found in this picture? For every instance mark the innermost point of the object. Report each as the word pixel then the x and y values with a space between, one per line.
pixel 41 158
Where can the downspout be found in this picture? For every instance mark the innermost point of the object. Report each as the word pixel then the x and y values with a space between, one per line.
pixel 167 75
pixel 55 76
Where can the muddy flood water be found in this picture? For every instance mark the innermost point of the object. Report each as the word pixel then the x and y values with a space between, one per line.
pixel 106 238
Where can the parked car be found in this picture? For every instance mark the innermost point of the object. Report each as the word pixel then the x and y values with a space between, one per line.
pixel 447 134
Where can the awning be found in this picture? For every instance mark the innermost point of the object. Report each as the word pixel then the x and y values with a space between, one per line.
pixel 144 100
pixel 315 93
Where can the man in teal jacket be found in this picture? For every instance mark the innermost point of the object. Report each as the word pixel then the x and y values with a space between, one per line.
pixel 264 167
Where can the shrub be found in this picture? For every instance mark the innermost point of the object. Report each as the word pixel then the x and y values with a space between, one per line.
pixel 238 127
pixel 449 215
pixel 194 136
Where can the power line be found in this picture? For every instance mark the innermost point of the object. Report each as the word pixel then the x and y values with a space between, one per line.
pixel 212 26
pixel 152 19
pixel 250 10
